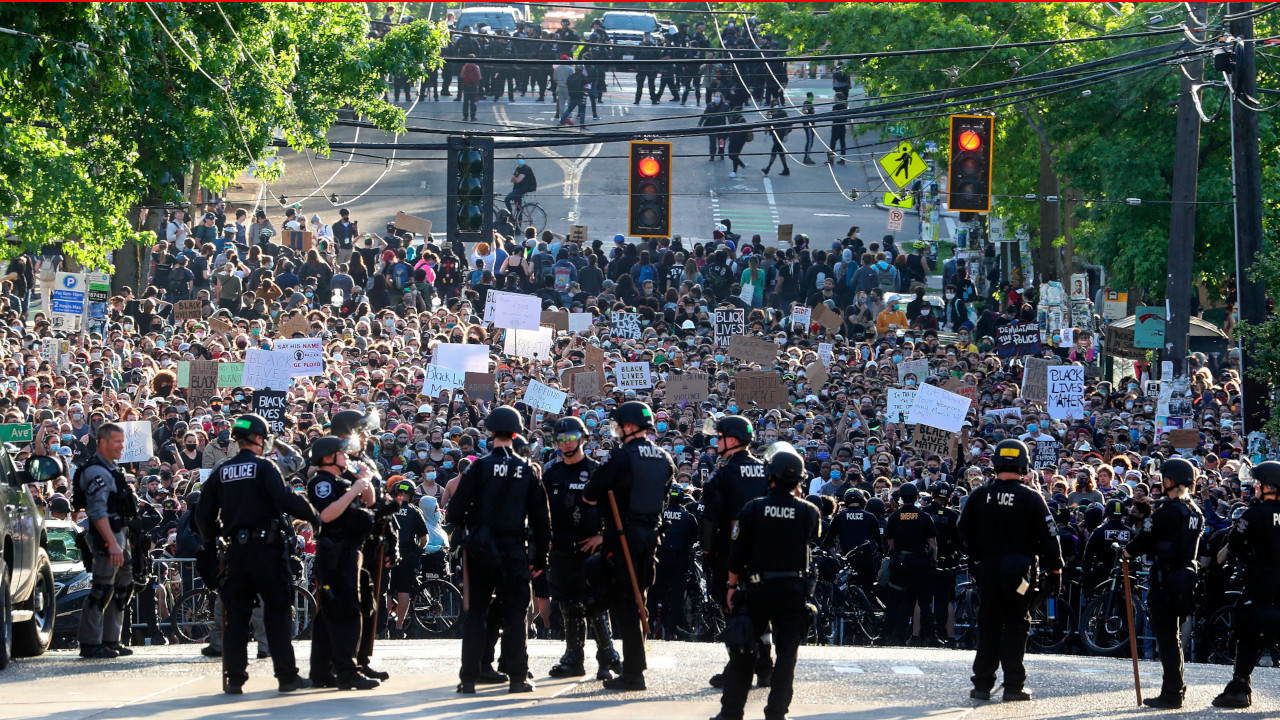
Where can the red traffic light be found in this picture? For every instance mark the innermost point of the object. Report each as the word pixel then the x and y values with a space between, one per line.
pixel 649 167
pixel 970 141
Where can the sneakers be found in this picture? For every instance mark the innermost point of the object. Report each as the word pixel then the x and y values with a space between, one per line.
pixel 359 682
pixel 624 684
pixel 397 633
pixel 210 651
pixel 808 160
pixel 733 174
pixel 566 121
pixel 98 652
pixel 118 649
pixel 323 681
pixel 764 171
pixel 298 683
pixel 785 172
pixel 233 690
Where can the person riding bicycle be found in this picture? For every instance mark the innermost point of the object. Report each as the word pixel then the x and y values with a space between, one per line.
pixel 523 181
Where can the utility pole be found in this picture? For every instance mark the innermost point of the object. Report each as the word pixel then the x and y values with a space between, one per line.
pixel 1182 223
pixel 1247 178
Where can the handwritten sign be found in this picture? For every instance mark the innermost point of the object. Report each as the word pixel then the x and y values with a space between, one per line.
pixel 761 387
pixel 305 354
pixel 230 374
pixel 727 323
pixel 625 325
pixel 935 441
pixel 185 310
pixel 586 384
pixel 1035 378
pixel 579 322
pixel 753 350
pixel 479 385
pixel 203 381
pixel 691 387
pixel 1120 344
pixel 1184 438
pixel 578 234
pixel 800 317
pixel 1018 338
pixel 960 387
pixel 633 376
pixel 785 233
pixel 138 446
pixel 919 369
pixel 1066 392
pixel 267 369
pixel 544 397
pixel 437 379
pixel 295 325
pixel 827 318
pixel 825 352
pixel 462 356
pixel 593 358
pixel 534 344
pixel 270 405
pixel 1045 453
pixel 938 408
pixel 516 311
pixel 899 405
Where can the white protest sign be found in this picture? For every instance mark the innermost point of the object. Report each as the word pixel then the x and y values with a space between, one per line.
pixel 1003 414
pixel 265 369
pixel 1068 337
pixel 137 442
pixel 633 376
pixel 919 369
pixel 438 379
pixel 824 352
pixel 462 357
pixel 938 408
pixel 579 322
pixel 899 405
pixel 516 311
pixel 534 343
pixel 800 317
pixel 307 355
pixel 748 294
pixel 1066 392
pixel 544 397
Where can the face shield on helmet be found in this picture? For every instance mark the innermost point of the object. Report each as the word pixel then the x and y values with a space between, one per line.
pixel 780 446
pixel 353 444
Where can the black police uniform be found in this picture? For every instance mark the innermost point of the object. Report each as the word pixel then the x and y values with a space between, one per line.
pixel 1255 540
pixel 412 529
pixel 640 474
pixel 243 501
pixel 103 492
pixel 945 523
pixel 675 558
pixel 910 529
pixel 735 483
pixel 574 520
pixel 1171 539
pixel 374 575
pixel 770 554
pixel 336 630
pixel 1006 528
pixel 497 499
pixel 1098 555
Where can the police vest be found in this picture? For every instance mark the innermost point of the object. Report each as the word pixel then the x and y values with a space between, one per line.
pixel 650 472
pixel 572 518
pixel 120 501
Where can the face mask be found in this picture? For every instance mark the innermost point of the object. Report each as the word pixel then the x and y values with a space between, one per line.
pixel 924 311
pixel 54 448
pixel 679 448
pixel 431 476
pixel 911 383
pixel 667 448
pixel 733 409
pixel 662 427
pixel 67 437
pixel 191 446
pixel 422 455
pixel 897 358
pixel 1147 408
pixel 447 464
pixel 592 423
pixel 871 448
pixel 224 436
pixel 519 161
pixel 835 474
pixel 77 416
pixel 182 409
pixel 975 451
pixel 719 358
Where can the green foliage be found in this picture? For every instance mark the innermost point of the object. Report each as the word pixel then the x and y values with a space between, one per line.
pixel 1260 340
pixel 97 132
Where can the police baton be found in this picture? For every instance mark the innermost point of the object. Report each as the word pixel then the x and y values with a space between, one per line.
pixel 221 545
pixel 1128 608
pixel 631 569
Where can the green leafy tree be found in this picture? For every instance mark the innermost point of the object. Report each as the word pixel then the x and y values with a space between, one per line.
pixel 109 104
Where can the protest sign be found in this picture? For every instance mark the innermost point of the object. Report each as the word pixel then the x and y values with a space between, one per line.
pixel 184 373
pixel 761 387
pixel 534 343
pixel 558 320
pixel 753 350
pixel 935 441
pixel 270 405
pixel 586 383
pixel 827 318
pixel 729 322
pixel 462 356
pixel 960 387
pixel 1018 338
pixel 437 379
pixel 299 240
pixel 1148 327
pixel 593 358
pixel 1002 415
pixel 203 381
pixel 230 374
pixel 579 322
pixel 785 232
pixel 1066 392
pixel 578 234
pixel 1184 438
pixel 625 325
pixel 306 355
pixel 185 310
pixel 899 405
pixel 295 325
pixel 690 387
pixel 1035 378
pixel 824 353
pixel 938 408
pixel 137 441
pixel 1045 453
pixel 800 317
pixel 633 376
pixel 517 312
pixel 16 433
pixel 479 385
pixel 415 225
pixel 816 373
pixel 219 325
pixel 919 369
pixel 544 397
pixel 267 369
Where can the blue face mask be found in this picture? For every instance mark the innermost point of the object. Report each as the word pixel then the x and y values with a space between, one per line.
pixel 1134 435
pixel 592 423
pixel 679 449
pixel 662 427
pixel 733 408
pixel 871 448
pixel 719 358
pixel 447 464
pixel 432 475
pixel 519 161
pixel 835 474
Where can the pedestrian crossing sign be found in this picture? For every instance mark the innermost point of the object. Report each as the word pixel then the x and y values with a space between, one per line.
pixel 903 164
pixel 905 201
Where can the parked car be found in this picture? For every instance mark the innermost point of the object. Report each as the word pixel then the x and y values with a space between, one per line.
pixel 27 591
pixel 70 579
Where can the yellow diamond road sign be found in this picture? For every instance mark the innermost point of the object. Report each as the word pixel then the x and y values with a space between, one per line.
pixel 905 200
pixel 902 164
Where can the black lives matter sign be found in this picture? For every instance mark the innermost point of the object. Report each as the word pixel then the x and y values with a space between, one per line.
pixel 270 405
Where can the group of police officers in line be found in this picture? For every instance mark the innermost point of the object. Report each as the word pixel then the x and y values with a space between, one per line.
pixel 597 530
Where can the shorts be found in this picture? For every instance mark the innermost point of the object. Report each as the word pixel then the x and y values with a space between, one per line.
pixel 541 586
pixel 404 577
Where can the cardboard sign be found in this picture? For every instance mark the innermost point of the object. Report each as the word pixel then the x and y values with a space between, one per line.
pixel 827 318
pixel 219 325
pixel 300 240
pixel 1148 327
pixel 1018 338
pixel 16 433
pixel 587 384
pixel 137 441
pixel 415 225
pixel 267 369
pixel 1066 392
pixel 579 322
pixel 230 374
pixel 305 354
pixel 691 387
pixel 516 312
pixel 185 310
pixel 785 233
pixel 270 405
pixel 295 325
pixel 816 372
pixel 938 408
pixel 544 397
pixel 1035 378
pixel 1120 344
pixel 761 387
pixel 558 320
pixel 633 376
pixel 578 234
pixel 535 344
pixel 1182 439
pixel 1045 453
pixel 800 318
pixel 727 323
pixel 960 387
pixel 935 441
pixel 899 405
pixel 625 326
pixel 753 350
pixel 462 356
pixel 918 368
pixel 203 381
pixel 593 358
pixel 437 379
pixel 479 385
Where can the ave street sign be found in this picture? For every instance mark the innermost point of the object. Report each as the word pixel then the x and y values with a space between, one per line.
pixel 902 164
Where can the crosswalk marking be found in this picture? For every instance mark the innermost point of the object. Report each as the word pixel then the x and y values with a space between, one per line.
pixel 907 670
pixel 849 669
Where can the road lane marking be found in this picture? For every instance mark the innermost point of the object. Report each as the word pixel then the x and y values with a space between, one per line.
pixel 907 670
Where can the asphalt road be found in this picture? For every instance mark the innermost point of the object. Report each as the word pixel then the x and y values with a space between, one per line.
pixel 587 183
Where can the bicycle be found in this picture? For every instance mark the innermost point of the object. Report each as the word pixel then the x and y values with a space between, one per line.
pixel 435 606
pixel 527 213
pixel 1104 624
pixel 844 605
pixel 192 617
pixel 700 616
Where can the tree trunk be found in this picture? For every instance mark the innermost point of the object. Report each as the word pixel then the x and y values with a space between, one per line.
pixel 132 260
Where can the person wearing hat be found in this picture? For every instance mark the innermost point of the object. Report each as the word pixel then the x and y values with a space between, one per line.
pixel 244 501
pixel 945 521
pixel 851 528
pixel 912 541
pixel 1007 530
pixel 413 540
pixel 1171 539
pixel 637 477
pixel 1098 556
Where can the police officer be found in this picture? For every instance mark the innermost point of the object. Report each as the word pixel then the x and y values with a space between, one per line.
pixel 913 547
pixel 945 522
pixel 675 558
pixel 1006 528
pixel 576 533
pixel 498 501
pixel 1255 539
pixel 851 528
pixel 101 490
pixel 640 475
pixel 413 539
pixel 347 521
pixel 1098 555
pixel 1171 538
pixel 739 480
pixel 769 565
pixel 244 501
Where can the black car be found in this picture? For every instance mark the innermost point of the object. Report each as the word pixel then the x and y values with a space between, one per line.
pixel 70 579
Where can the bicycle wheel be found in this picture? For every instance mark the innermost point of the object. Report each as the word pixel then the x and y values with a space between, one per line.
pixel 304 612
pixel 533 214
pixel 859 616
pixel 824 621
pixel 1050 634
pixel 1104 625
pixel 435 608
pixel 966 626
pixel 1220 637
pixel 192 617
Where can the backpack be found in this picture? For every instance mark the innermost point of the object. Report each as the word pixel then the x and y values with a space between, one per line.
pixel 400 275
pixel 850 275
pixel 884 279
pixel 646 273
pixel 718 279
